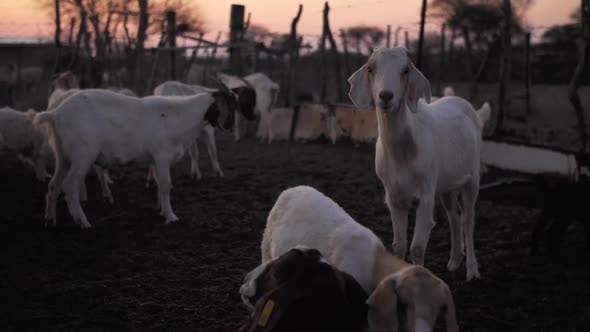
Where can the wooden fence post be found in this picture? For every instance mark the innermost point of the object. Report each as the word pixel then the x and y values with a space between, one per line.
pixel 171 30
pixel 397 31
pixel 388 36
pixel 441 64
pixel 527 73
pixel 575 83
pixel 421 38
pixel 334 51
pixel 293 56
pixel 345 50
pixel 236 27
pixel 504 75
pixel 407 40
pixel 57 37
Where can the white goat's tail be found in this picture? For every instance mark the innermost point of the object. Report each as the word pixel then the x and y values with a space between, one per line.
pixel 484 114
pixel 448 91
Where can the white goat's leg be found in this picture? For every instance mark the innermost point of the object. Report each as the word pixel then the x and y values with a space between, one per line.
pixel 150 176
pixel 72 184
pixel 332 119
pixel 269 126
pixel 102 174
pixel 399 220
pixel 83 192
pixel 209 138
pixel 424 225
pixel 107 176
pixel 469 195
pixel 164 187
pixel 451 205
pixel 237 127
pixel 54 188
pixel 40 167
pixel 193 152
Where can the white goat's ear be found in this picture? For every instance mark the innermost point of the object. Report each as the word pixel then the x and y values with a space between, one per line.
pixel 417 87
pixel 360 88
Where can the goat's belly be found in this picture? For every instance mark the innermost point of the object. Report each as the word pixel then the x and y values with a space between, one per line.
pixel 454 184
pixel 123 155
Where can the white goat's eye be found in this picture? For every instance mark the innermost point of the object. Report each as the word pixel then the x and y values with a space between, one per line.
pixel 406 71
pixel 370 70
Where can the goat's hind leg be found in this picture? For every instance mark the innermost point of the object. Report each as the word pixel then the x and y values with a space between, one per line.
pixel 54 189
pixel 469 193
pixel 450 203
pixel 72 184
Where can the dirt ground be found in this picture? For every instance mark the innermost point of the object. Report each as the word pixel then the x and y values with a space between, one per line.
pixel 132 272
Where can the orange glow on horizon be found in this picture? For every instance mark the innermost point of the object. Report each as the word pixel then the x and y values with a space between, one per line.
pixel 26 18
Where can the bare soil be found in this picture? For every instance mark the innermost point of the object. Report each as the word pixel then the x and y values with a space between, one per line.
pixel 132 272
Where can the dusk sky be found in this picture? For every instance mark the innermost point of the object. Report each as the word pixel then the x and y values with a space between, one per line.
pixel 25 18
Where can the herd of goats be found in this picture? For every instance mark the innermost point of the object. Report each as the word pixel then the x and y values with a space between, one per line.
pixel 320 269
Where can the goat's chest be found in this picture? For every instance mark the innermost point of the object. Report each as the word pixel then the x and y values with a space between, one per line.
pixel 403 183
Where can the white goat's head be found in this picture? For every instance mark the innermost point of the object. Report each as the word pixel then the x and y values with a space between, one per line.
pixel 388 81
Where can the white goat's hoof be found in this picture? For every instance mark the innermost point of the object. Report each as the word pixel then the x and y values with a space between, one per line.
pixel 220 173
pixel 398 250
pixel 473 273
pixel 172 220
pixel 455 263
pixel 85 226
pixel 109 200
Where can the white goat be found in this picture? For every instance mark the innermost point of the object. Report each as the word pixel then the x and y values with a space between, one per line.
pixel 207 136
pixel 423 150
pixel 267 92
pixel 93 126
pixel 63 86
pixel 123 91
pixel 303 216
pixel 18 134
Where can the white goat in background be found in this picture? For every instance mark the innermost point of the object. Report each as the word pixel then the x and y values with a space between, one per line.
pixel 93 126
pixel 423 150
pixel 63 86
pixel 18 134
pixel 207 136
pixel 267 92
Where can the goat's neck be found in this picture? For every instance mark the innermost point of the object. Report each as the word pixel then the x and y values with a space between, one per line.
pixel 396 133
pixel 385 264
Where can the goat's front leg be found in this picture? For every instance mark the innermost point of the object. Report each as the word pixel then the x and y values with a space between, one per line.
pixel 236 127
pixel 209 138
pixel 424 225
pixel 399 220
pixel 194 154
pixel 451 205
pixel 469 195
pixel 162 168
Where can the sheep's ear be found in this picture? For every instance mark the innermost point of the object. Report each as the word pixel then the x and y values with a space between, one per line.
pixel 360 88
pixel 417 87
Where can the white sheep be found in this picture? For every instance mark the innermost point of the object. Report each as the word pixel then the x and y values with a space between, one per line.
pixel 18 135
pixel 267 92
pixel 303 216
pixel 423 150
pixel 103 127
pixel 207 136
